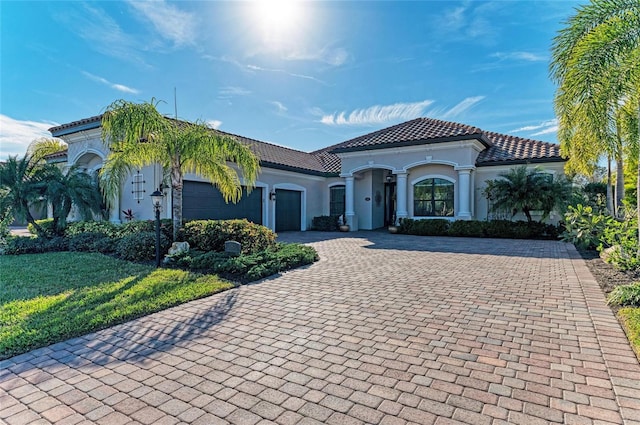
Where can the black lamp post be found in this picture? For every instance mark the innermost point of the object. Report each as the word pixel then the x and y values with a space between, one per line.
pixel 156 198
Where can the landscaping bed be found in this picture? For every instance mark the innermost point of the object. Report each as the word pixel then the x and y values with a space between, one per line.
pixel 608 277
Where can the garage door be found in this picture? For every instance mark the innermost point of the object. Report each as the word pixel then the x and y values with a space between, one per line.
pixel 202 201
pixel 288 210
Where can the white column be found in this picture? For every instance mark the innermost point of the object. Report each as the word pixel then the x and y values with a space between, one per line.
pixel 349 203
pixel 114 209
pixel 464 193
pixel 401 196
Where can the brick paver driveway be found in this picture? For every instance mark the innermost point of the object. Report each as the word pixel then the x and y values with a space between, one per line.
pixel 384 329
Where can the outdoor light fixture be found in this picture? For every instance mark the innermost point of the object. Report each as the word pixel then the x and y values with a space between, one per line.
pixel 389 177
pixel 156 199
pixel 272 196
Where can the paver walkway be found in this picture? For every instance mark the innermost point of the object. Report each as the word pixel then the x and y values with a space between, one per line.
pixel 384 329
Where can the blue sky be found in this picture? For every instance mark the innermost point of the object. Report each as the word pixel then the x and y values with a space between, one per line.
pixel 301 74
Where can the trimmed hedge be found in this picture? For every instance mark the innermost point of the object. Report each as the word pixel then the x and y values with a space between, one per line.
pixel 210 235
pixel 141 246
pixel 33 245
pixel 92 242
pixel 325 223
pixel 46 224
pixel 474 228
pixel 249 267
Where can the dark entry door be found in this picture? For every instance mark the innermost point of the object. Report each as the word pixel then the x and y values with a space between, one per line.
pixel 202 201
pixel 389 203
pixel 288 210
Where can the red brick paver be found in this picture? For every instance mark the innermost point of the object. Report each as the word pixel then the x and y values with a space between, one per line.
pixel 384 329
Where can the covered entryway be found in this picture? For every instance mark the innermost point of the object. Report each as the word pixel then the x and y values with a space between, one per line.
pixel 288 210
pixel 202 201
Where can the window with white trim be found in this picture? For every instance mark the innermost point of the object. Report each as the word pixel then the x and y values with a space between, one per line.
pixel 433 197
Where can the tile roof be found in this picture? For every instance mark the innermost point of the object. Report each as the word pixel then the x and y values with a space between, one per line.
pixel 414 132
pixel 500 148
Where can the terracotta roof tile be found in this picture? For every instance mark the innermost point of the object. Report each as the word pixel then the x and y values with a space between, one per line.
pixel 500 148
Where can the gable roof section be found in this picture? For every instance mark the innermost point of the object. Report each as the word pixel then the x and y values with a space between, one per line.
pixel 419 131
pixel 500 148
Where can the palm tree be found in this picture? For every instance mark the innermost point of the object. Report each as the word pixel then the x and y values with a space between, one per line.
pixel 138 135
pixel 73 189
pixel 595 64
pixel 23 181
pixel 527 189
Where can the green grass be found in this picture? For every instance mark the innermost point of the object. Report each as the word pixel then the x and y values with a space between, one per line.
pixel 48 298
pixel 630 317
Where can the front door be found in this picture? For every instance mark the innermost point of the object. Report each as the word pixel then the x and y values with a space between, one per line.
pixel 389 203
pixel 288 210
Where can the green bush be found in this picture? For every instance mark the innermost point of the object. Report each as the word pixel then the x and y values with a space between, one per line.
pixel 46 224
pixel 470 228
pixel 140 246
pixel 625 295
pixel 427 227
pixel 325 223
pixel 210 235
pixel 91 242
pixel 34 245
pixel 583 227
pixel 105 227
pixel 249 267
pixel 137 226
pixel 624 236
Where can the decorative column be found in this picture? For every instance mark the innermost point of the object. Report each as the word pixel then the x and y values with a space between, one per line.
pixel 349 202
pixel 464 193
pixel 401 196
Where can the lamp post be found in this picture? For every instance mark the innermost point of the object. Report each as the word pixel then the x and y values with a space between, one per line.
pixel 156 199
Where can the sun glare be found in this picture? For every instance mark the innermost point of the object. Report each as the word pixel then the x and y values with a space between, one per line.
pixel 277 19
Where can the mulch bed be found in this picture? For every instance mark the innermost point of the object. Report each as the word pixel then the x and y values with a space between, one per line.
pixel 607 276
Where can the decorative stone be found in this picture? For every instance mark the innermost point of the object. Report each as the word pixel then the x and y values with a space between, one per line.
pixel 232 247
pixel 179 248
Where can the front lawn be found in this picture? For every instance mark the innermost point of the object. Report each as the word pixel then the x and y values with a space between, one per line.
pixel 51 297
pixel 630 317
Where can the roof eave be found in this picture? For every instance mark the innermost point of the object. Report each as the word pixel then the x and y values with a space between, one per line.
pixel 475 136
pixel 520 161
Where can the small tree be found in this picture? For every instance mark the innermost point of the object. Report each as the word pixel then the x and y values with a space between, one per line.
pixel 527 189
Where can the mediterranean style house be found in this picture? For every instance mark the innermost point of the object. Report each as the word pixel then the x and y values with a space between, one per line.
pixel 423 168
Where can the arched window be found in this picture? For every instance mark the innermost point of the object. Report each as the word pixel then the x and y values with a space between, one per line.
pixel 433 198
pixel 336 200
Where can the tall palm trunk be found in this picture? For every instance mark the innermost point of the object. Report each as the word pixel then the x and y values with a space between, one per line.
pixel 638 185
pixel 176 196
pixel 610 204
pixel 619 181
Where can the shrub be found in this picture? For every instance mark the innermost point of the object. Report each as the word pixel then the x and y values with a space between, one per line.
pixel 91 242
pixel 140 246
pixel 583 227
pixel 33 245
pixel 624 236
pixel 249 267
pixel 625 295
pixel 137 226
pixel 210 235
pixel 46 224
pixel 325 223
pixel 429 227
pixel 105 227
pixel 471 228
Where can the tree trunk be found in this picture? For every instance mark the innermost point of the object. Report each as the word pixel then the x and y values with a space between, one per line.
pixel 619 177
pixel 176 195
pixel 610 205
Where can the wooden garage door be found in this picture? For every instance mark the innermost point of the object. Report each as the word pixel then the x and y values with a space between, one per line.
pixel 202 201
pixel 288 210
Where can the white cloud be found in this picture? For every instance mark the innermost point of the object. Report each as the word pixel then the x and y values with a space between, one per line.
pixel 279 106
pixel 233 91
pixel 462 107
pixel 378 114
pixel 170 22
pixel 548 130
pixel 332 56
pixel 119 87
pixel 520 56
pixel 16 135
pixel 101 32
pixel 545 125
pixel 214 123
pixel 282 71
